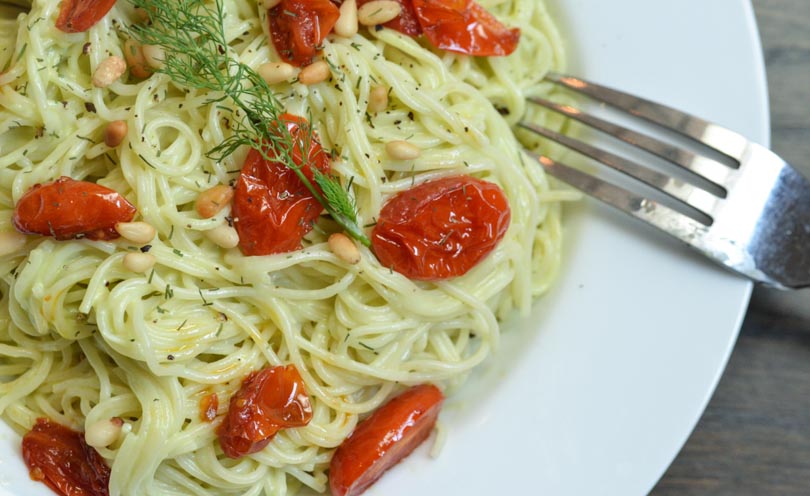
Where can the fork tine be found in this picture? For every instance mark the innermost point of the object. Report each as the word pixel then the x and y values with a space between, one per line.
pixel 714 172
pixel 664 218
pixel 724 140
pixel 698 199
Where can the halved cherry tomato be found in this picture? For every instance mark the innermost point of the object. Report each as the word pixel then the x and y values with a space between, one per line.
pixel 463 26
pixel 76 16
pixel 298 28
pixel 272 208
pixel 60 458
pixel 268 401
pixel 68 209
pixel 380 441
pixel 441 229
pixel 406 22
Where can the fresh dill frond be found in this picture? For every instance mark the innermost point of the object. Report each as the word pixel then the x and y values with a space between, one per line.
pixel 192 36
pixel 338 197
pixel 334 193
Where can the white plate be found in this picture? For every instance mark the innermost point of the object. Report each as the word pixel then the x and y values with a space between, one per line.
pixel 596 393
pixel 598 390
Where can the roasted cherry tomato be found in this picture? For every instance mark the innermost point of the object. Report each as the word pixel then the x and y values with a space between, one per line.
pixel 406 22
pixel 380 441
pixel 298 28
pixel 68 209
pixel 76 16
pixel 272 208
pixel 440 229
pixel 463 26
pixel 59 457
pixel 209 404
pixel 268 401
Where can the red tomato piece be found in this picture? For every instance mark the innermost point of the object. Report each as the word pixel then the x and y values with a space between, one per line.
pixel 76 16
pixel 60 458
pixel 68 209
pixel 272 208
pixel 380 441
pixel 298 28
pixel 406 22
pixel 463 26
pixel 268 401
pixel 441 229
pixel 209 404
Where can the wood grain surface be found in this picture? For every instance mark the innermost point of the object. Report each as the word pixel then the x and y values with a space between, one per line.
pixel 754 438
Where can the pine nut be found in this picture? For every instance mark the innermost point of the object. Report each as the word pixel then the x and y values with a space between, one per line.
pixel 378 12
pixel 108 71
pixel 103 433
pixel 223 236
pixel 402 150
pixel 139 262
pixel 269 4
pixel 378 99
pixel 316 72
pixel 142 15
pixel 212 200
pixel 135 59
pixel 346 25
pixel 276 72
pixel 154 56
pixel 11 241
pixel 139 233
pixel 115 132
pixel 344 248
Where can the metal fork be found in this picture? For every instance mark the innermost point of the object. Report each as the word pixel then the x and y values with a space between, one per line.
pixel 751 215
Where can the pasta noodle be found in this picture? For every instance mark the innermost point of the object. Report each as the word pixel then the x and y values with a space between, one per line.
pixel 83 339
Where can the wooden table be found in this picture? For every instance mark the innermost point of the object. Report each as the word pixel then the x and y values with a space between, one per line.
pixel 754 438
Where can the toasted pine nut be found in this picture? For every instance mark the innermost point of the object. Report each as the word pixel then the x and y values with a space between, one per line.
pixel 402 150
pixel 103 433
pixel 108 71
pixel 142 15
pixel 138 232
pixel 316 72
pixel 269 4
pixel 154 55
pixel 212 200
pixel 11 241
pixel 344 248
pixel 223 236
pixel 378 99
pixel 139 262
pixel 276 72
pixel 115 132
pixel 378 12
pixel 346 25
pixel 135 59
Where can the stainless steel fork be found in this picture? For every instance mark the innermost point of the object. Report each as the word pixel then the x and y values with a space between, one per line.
pixel 751 215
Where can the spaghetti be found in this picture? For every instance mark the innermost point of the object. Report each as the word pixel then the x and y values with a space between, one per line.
pixel 83 339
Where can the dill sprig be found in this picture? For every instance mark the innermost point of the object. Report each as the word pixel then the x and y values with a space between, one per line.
pixel 192 36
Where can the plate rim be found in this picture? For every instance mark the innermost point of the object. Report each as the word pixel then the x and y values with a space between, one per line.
pixel 763 103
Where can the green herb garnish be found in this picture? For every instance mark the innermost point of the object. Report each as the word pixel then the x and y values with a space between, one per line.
pixel 192 35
